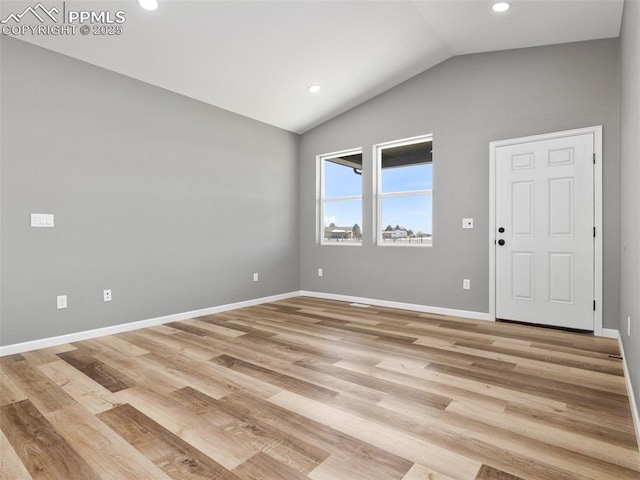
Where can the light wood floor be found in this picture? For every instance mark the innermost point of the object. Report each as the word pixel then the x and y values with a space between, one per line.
pixel 308 388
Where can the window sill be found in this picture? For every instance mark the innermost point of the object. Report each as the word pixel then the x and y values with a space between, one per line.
pixel 403 245
pixel 340 244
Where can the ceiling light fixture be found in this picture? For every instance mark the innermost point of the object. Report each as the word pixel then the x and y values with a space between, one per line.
pixel 314 88
pixel 148 4
pixel 500 7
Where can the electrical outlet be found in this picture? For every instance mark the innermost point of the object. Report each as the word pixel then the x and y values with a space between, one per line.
pixel 62 301
pixel 255 277
pixel 106 295
pixel 629 326
pixel 466 284
pixel 467 223
pixel 320 272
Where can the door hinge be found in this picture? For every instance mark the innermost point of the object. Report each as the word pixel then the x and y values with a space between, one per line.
pixel 594 305
pixel 594 232
pixel 594 158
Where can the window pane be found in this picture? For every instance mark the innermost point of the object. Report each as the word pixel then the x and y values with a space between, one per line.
pixel 406 220
pixel 343 221
pixel 408 178
pixel 341 180
pixel 407 167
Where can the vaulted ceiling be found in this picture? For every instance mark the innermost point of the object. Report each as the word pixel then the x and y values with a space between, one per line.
pixel 258 58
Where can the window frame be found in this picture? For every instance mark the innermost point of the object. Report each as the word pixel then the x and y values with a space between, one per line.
pixel 321 200
pixel 379 195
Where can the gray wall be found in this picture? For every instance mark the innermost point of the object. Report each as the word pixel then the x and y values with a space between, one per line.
pixel 629 191
pixel 169 202
pixel 150 188
pixel 466 102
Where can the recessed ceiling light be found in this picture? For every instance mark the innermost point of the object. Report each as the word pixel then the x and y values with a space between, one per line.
pixel 148 4
pixel 501 7
pixel 314 88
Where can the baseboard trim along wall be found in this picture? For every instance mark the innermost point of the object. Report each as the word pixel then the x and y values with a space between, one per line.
pixel 632 399
pixel 610 333
pixel 126 327
pixel 402 306
pixel 361 301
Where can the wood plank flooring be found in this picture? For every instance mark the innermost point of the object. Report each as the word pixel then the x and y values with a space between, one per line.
pixel 321 390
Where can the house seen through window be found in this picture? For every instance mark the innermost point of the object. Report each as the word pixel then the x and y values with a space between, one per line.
pixel 404 191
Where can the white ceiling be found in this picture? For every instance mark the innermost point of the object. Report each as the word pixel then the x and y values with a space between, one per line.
pixel 258 58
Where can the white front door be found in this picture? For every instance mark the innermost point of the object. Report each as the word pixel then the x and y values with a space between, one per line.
pixel 544 221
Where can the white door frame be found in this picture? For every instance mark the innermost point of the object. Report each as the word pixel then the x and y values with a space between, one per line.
pixel 597 179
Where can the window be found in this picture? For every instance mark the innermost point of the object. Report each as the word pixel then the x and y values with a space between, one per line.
pixel 340 198
pixel 404 172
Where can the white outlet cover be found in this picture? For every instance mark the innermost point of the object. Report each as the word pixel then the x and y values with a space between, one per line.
pixel 320 272
pixel 61 301
pixel 255 277
pixel 106 295
pixel 466 284
pixel 467 223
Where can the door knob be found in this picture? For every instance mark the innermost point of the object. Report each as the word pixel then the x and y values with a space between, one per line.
pixel 501 242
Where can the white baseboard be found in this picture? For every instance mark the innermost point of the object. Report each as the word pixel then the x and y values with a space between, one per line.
pixel 400 305
pixel 609 333
pixel 126 327
pixel 630 394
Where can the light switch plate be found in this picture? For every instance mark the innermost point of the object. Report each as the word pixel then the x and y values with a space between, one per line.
pixel 467 223
pixel 42 220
